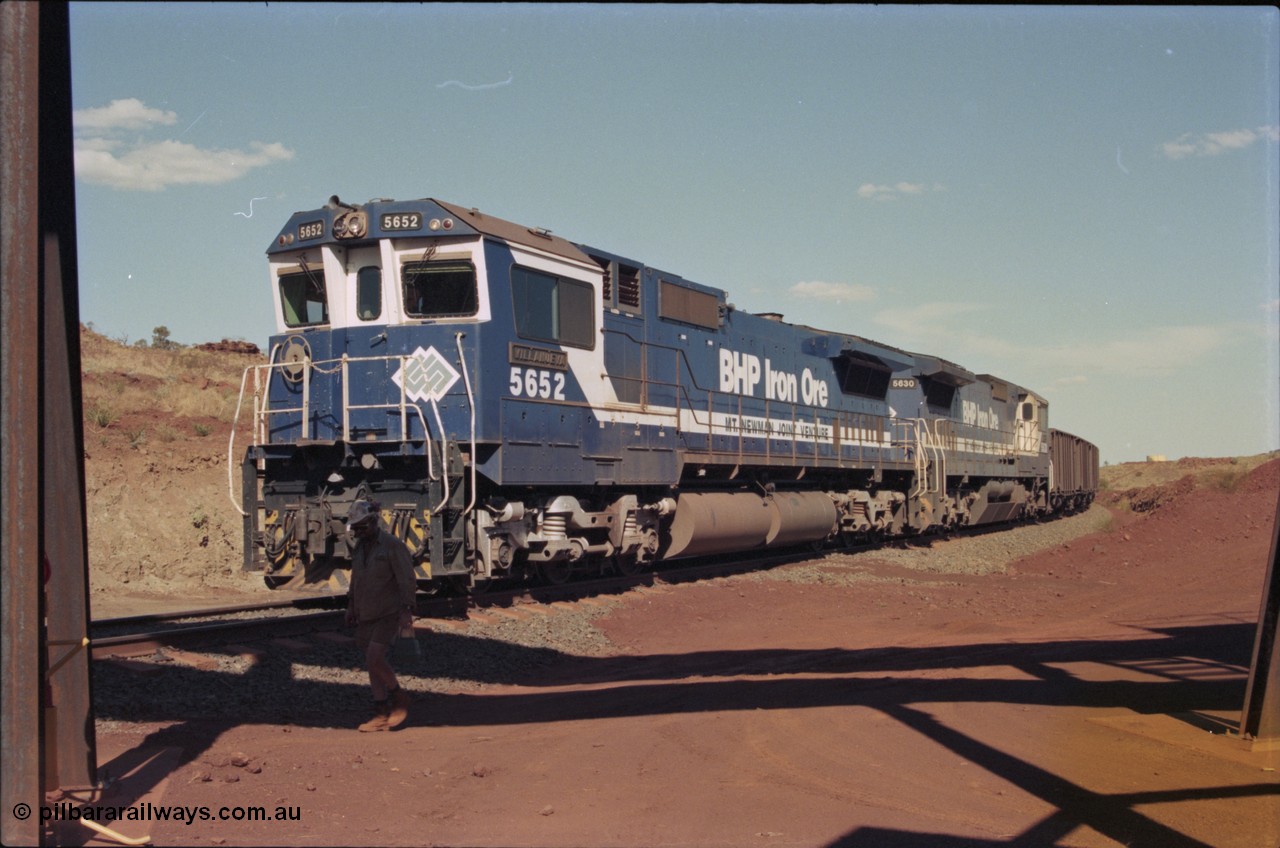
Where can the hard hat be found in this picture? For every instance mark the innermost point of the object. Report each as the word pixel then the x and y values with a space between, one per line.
pixel 359 513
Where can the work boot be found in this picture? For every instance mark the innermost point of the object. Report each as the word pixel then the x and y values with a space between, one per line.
pixel 379 720
pixel 399 708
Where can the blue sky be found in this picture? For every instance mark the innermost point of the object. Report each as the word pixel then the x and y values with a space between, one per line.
pixel 1085 201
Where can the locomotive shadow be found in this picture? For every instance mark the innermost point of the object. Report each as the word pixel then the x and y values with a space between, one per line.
pixel 1183 670
pixel 293 689
pixel 782 679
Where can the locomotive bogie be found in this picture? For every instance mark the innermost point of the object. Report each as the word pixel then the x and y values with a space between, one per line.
pixel 524 405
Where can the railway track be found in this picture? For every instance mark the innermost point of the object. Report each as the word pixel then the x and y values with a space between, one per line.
pixel 129 621
pixel 133 636
pixel 140 635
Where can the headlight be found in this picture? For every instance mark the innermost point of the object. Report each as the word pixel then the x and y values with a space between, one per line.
pixel 350 225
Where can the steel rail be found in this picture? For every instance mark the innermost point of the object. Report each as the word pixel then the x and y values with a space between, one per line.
pixel 204 635
pixel 211 612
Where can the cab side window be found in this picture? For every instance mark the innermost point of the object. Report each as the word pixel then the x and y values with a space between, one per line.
pixel 444 289
pixel 302 299
pixel 553 309
pixel 369 293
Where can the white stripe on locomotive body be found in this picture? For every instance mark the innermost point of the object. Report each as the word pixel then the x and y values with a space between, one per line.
pixel 528 257
pixel 862 437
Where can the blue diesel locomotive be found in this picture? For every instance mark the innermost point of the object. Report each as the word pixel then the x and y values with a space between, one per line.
pixel 522 405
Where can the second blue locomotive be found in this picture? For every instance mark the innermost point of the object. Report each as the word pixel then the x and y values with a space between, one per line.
pixel 519 404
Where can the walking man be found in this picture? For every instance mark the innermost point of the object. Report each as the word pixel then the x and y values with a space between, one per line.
pixel 380 602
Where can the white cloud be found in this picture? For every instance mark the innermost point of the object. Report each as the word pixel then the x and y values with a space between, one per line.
pixel 152 167
pixel 1217 143
pixel 98 144
pixel 128 114
pixel 838 292
pixel 104 158
pixel 871 191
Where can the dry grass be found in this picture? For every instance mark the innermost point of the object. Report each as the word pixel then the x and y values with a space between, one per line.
pixel 1221 473
pixel 123 382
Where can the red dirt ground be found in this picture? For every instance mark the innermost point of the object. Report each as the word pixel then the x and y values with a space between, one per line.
pixel 1083 698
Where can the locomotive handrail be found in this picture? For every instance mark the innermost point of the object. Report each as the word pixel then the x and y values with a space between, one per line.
pixel 909 437
pixel 933 442
pixel 342 366
pixel 939 455
pixel 231 442
pixel 235 421
pixel 444 458
pixel 928 452
pixel 471 403
pixel 262 411
pixel 401 406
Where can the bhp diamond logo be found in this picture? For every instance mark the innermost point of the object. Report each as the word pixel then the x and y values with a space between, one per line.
pixel 426 375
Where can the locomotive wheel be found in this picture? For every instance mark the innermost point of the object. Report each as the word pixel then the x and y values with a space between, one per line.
pixel 627 566
pixel 557 572
pixel 479 586
pixel 461 586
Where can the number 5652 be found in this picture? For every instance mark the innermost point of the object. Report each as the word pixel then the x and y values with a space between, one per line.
pixel 537 383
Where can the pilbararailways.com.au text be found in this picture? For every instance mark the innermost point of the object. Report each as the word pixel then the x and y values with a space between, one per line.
pixel 146 811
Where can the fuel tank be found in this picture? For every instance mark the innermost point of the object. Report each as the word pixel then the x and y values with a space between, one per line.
pixel 715 522
pixel 719 522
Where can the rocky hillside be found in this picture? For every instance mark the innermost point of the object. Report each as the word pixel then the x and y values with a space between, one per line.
pixel 156 430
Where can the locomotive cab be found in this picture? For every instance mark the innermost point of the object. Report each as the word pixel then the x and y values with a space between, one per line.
pixel 394 321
